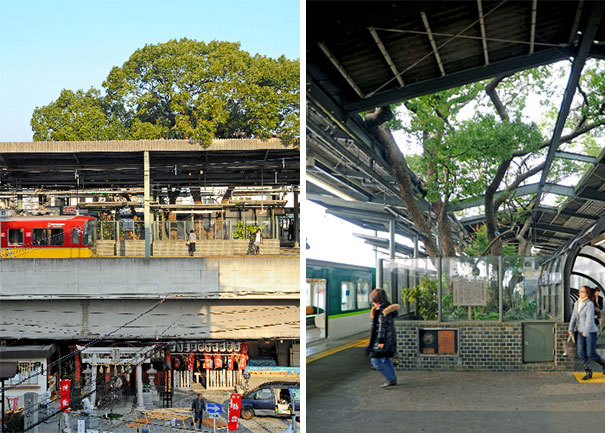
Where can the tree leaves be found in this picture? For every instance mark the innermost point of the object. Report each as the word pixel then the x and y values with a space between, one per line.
pixel 182 89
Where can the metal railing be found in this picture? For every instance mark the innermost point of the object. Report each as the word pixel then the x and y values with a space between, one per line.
pixel 215 229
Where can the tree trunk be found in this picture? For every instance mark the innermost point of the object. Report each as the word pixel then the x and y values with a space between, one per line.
pixel 375 123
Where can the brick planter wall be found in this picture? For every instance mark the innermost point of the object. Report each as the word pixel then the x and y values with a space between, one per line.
pixel 483 346
pixel 204 248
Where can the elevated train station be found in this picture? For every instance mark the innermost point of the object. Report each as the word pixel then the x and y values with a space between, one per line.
pixel 200 321
pixel 365 55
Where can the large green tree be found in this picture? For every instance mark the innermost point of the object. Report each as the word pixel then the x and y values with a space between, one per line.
pixel 497 147
pixel 181 89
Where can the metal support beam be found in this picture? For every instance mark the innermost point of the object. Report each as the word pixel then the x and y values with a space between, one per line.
pixel 509 66
pixel 532 32
pixel 575 156
pixel 392 238
pixel 532 188
pixel 146 202
pixel 556 228
pixel 588 35
pixel 433 44
pixel 341 69
pixel 483 35
pixel 386 55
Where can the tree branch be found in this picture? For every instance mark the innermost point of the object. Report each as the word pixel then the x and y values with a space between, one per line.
pixel 490 89
pixel 498 201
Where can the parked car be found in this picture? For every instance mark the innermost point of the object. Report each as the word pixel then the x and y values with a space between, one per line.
pixel 272 399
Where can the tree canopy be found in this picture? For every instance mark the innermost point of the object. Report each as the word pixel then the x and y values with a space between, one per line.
pixel 478 139
pixel 181 89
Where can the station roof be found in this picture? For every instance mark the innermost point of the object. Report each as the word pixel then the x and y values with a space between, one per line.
pixel 173 163
pixel 556 226
pixel 364 54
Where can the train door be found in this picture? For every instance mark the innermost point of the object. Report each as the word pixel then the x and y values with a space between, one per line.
pixel 316 309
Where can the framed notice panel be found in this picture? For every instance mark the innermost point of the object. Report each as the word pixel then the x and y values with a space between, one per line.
pixel 438 341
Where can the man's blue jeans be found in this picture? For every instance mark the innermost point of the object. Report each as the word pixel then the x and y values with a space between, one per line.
pixel 588 344
pixel 385 366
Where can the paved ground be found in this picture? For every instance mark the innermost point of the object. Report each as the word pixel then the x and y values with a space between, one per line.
pixel 343 395
pixel 181 399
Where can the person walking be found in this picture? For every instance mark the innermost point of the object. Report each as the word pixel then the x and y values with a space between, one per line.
pixel 258 241
pixel 198 406
pixel 191 240
pixel 582 321
pixel 383 339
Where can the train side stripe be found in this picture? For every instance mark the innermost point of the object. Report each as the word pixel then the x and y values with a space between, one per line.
pixel 352 313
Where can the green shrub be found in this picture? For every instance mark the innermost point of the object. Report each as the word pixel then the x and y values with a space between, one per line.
pixel 424 295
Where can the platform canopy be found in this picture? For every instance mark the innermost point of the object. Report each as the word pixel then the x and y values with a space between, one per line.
pixel 363 55
pixel 173 163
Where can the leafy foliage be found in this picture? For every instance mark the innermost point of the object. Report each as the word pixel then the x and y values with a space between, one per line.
pixel 424 295
pixel 181 89
pixel 244 231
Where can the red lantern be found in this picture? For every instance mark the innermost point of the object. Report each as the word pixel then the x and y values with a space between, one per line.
pixel 230 361
pixel 245 348
pixel 218 361
pixel 190 361
pixel 207 362
pixel 242 361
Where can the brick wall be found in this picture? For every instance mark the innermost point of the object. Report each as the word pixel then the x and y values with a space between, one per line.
pixel 482 346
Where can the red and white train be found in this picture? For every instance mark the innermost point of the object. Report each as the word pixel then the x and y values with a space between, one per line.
pixel 46 236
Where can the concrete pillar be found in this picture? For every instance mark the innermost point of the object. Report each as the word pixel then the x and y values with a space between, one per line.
pixel 296 220
pixel 140 387
pixel 147 199
pixel 93 385
pixel 31 412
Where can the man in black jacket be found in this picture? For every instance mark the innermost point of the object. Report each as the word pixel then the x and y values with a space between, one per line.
pixel 198 406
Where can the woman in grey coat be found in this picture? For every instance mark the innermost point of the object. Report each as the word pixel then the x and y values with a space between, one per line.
pixel 582 320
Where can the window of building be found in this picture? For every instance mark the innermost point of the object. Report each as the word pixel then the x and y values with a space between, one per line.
pixel 27 374
pixel 15 236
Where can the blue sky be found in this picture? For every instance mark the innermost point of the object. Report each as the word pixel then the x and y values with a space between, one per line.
pixel 48 46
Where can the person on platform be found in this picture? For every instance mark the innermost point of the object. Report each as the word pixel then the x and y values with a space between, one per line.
pixel 582 321
pixel 198 406
pixel 598 307
pixel 191 240
pixel 258 241
pixel 383 339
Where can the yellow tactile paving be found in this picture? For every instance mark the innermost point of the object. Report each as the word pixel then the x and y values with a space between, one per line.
pixel 357 343
pixel 597 377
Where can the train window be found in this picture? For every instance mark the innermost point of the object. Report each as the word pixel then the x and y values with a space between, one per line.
pixel 39 237
pixel 363 294
pixel 15 236
pixel 75 236
pixel 56 237
pixel 347 296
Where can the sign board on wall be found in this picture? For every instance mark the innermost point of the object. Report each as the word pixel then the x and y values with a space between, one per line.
pixel 469 292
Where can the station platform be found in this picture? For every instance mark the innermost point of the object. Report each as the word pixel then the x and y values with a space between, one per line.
pixel 343 394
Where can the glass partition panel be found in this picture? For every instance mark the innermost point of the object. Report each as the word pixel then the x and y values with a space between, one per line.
pixel 470 288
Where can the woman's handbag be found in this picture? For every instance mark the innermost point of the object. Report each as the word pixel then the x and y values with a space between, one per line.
pixel 569 347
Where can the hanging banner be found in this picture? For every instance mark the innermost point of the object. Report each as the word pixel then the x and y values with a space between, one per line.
pixel 218 361
pixel 230 361
pixel 235 405
pixel 242 361
pixel 190 361
pixel 245 348
pixel 65 394
pixel 207 362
